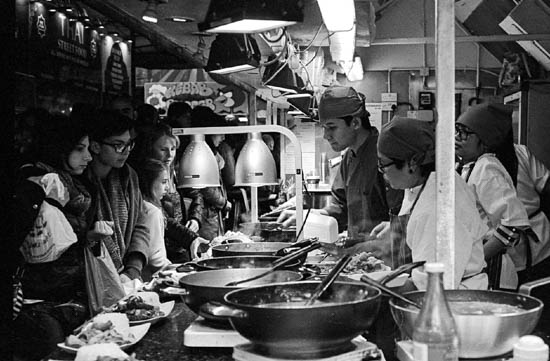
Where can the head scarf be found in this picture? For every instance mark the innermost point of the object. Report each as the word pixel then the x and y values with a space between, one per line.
pixel 491 122
pixel 341 101
pixel 406 138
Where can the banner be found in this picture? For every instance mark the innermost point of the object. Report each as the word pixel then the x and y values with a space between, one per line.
pixel 222 99
pixel 116 66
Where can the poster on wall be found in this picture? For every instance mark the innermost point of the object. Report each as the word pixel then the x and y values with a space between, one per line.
pixel 222 99
pixel 116 66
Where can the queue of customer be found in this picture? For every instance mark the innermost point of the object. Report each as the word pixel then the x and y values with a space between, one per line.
pixel 77 195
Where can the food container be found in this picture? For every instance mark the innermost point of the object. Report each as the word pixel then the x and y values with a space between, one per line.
pixel 480 335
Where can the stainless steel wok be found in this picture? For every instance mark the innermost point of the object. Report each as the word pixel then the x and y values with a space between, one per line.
pixel 479 335
pixel 310 331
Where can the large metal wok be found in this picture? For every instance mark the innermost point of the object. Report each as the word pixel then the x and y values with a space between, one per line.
pixel 236 262
pixel 206 286
pixel 479 335
pixel 275 318
pixel 249 249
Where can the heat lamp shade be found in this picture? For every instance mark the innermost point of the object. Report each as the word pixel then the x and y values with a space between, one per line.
pixel 255 165
pixel 230 53
pixel 250 16
pixel 198 167
pixel 279 76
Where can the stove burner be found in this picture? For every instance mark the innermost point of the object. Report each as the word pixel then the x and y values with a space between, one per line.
pixel 304 354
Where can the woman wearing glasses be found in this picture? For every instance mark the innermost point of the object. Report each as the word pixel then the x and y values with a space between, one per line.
pixel 484 143
pixel 406 152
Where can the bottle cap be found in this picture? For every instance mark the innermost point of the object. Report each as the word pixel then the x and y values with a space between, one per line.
pixel 434 267
pixel 530 347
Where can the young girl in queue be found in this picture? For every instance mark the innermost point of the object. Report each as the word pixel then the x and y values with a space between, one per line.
pixel 181 242
pixel 484 143
pixel 406 152
pixel 55 289
pixel 153 183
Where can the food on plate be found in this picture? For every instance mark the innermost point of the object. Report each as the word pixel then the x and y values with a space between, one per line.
pixel 140 306
pixel 103 352
pixel 364 262
pixel 104 328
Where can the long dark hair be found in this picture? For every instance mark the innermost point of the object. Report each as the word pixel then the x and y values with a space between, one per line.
pixel 506 153
pixel 148 171
pixel 57 138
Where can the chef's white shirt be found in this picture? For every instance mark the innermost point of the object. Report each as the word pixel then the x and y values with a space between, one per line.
pixel 532 177
pixel 469 232
pixel 498 204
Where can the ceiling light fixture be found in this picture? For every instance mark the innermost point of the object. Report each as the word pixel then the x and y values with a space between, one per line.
pixel 180 19
pixel 250 16
pixel 230 53
pixel 150 13
pixel 279 76
pixel 337 15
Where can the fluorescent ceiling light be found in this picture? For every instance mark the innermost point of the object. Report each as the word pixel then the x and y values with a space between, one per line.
pixel 338 15
pixel 150 13
pixel 250 16
pixel 180 19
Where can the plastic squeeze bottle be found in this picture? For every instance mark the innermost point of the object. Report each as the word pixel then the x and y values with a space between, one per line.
pixel 434 335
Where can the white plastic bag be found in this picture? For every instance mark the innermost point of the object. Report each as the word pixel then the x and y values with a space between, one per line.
pixel 50 236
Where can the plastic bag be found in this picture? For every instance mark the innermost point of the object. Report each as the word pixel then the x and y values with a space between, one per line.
pixel 103 283
pixel 49 237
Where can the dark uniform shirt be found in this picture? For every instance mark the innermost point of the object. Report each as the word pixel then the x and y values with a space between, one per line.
pixel 360 197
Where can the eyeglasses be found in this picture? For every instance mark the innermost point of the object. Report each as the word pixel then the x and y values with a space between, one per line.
pixel 382 167
pixel 121 148
pixel 462 133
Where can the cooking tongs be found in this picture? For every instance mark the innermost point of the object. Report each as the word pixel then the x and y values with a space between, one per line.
pixel 329 279
pixel 279 263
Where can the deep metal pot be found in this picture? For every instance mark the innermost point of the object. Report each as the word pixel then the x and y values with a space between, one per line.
pixel 479 335
pixel 202 287
pixel 311 331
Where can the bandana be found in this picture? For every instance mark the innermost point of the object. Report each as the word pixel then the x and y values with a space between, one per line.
pixel 490 122
pixel 406 138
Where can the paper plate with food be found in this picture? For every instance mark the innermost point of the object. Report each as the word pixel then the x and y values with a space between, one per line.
pixel 108 327
pixel 143 307
pixel 103 352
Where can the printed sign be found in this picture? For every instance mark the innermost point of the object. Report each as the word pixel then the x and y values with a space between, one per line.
pixel 222 99
pixel 116 66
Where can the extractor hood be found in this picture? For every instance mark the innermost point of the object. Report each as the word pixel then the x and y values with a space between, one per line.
pixel 531 17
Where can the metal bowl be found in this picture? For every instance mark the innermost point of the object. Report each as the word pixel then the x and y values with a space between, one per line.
pixel 479 335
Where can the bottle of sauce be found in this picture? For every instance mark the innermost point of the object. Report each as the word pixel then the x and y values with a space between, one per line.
pixel 434 335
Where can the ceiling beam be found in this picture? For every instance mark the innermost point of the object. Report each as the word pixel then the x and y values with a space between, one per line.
pixel 462 39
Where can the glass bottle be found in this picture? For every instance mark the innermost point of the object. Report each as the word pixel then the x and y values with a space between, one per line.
pixel 434 335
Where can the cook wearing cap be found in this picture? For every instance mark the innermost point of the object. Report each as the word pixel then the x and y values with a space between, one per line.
pixel 484 142
pixel 406 151
pixel 359 196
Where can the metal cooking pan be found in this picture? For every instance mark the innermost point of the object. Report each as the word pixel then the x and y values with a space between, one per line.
pixel 202 287
pixel 276 319
pixel 236 262
pixel 480 336
pixel 249 249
